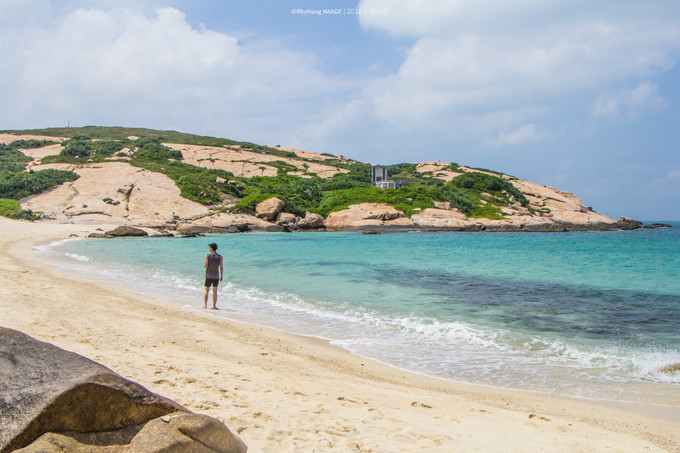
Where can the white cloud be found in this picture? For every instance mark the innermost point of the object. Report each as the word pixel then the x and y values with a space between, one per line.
pixel 120 66
pixel 474 62
pixel 525 134
pixel 641 99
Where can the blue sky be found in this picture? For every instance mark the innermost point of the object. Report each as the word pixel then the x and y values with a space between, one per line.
pixel 579 95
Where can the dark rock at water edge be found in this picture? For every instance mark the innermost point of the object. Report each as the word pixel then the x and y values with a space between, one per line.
pixel 628 224
pixel 55 400
pixel 126 231
pixel 658 225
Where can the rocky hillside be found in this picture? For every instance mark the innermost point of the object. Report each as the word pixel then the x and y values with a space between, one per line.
pixel 193 184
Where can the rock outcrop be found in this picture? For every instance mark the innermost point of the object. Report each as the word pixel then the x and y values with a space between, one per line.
pixel 248 163
pixel 285 218
pixel 369 217
pixel 221 222
pixel 126 231
pixel 443 220
pixel 269 209
pixel 311 222
pixel 628 224
pixel 113 193
pixel 54 400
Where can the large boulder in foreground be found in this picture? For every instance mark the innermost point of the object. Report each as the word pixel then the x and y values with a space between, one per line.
pixel 55 400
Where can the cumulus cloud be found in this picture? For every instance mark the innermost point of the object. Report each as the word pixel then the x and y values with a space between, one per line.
pixel 471 63
pixel 123 66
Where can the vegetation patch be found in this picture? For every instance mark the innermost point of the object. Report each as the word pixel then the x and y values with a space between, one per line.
pixel 20 185
pixel 12 160
pixel 9 206
pixel 31 143
pixel 15 183
pixel 281 166
pixel 81 150
pixel 407 199
pixel 482 182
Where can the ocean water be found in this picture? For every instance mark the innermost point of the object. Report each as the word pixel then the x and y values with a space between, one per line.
pixel 580 314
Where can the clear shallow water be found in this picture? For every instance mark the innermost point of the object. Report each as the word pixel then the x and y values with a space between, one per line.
pixel 587 314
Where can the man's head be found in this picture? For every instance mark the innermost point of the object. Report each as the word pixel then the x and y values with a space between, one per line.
pixel 213 247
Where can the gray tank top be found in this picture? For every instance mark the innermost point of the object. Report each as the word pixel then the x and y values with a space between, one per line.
pixel 213 270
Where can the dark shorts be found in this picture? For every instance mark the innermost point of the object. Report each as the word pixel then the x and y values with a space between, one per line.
pixel 212 282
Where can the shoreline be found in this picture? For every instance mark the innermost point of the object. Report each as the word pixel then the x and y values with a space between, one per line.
pixel 281 391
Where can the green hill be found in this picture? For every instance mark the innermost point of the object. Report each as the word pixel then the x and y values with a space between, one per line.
pixel 474 192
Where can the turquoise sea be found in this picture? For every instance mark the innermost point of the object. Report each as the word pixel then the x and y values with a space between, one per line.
pixel 582 314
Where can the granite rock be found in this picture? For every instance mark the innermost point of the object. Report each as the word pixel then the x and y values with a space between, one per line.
pixel 55 400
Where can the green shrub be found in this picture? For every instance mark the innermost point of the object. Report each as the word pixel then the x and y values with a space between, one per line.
pixel 281 166
pixel 483 182
pixel 344 181
pixel 404 169
pixel 77 148
pixel 20 185
pixel 24 214
pixel 12 160
pixel 464 200
pixel 267 150
pixel 488 211
pixel 151 149
pixel 298 194
pixel 9 206
pixel 250 201
pixel 31 143
pixel 108 147
pixel 337 200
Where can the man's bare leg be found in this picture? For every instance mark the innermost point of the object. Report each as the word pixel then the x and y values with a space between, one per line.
pixel 205 297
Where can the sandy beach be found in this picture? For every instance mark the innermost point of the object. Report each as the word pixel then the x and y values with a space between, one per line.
pixel 282 392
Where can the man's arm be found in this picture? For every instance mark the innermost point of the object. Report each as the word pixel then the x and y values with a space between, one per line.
pixel 206 261
pixel 221 268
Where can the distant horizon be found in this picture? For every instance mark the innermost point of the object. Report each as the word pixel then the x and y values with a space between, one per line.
pixel 582 96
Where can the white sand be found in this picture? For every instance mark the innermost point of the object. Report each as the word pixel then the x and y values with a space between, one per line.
pixel 287 393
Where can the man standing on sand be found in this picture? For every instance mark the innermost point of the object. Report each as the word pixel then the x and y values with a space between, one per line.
pixel 214 271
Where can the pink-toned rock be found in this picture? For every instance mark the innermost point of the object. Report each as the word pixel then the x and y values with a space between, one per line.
pixel 114 193
pixel 433 219
pixel 286 218
pixel 248 163
pixel 561 208
pixel 311 222
pixel 520 223
pixel 269 208
pixel 223 221
pixel 367 217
